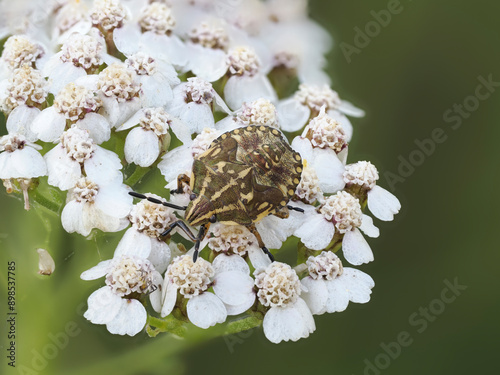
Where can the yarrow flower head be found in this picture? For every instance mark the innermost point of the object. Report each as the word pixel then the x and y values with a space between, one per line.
pixel 82 51
pixel 74 102
pixel 88 203
pixel 232 239
pixel 323 131
pixel 343 210
pixel 258 112
pixel 20 50
pixel 243 61
pixel 308 189
pixel 118 304
pixel 118 82
pixel 108 14
pixel 150 218
pixel 279 289
pixel 362 177
pixel 317 97
pixel 362 173
pixel 209 36
pixel 231 281
pixel 20 161
pixel 329 286
pixel 75 152
pixel 157 18
pixel 26 86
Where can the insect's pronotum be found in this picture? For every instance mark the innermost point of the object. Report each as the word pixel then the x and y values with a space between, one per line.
pixel 245 175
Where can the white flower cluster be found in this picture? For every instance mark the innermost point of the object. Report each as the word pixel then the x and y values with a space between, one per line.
pixel 175 76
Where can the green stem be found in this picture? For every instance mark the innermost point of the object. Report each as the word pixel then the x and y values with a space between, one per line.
pixel 46 203
pixel 138 174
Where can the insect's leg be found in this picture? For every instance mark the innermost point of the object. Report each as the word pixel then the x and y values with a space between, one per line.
pixel 157 201
pixel 183 226
pixel 282 212
pixel 182 180
pixel 256 233
pixel 201 235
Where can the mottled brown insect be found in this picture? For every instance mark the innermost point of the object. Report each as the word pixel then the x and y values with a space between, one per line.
pixel 245 175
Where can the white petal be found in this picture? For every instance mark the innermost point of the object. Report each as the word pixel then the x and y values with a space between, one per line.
pixel 344 122
pixel 258 259
pixel 104 306
pixel 288 323
pixel 342 155
pixel 20 121
pixel 350 109
pixel 25 163
pixel 155 296
pixel 103 166
pixel 95 218
pixel 224 263
pixel 246 89
pixel 358 284
pixel 316 296
pixel 156 91
pixel 49 125
pixel 338 296
pixel 227 124
pixel 169 297
pixel 316 233
pixel 180 130
pixel 96 272
pixel 232 287
pixel 170 48
pixel 127 38
pixel 304 147
pixel 175 162
pixel 142 147
pixel 97 125
pixel 63 172
pixel 134 243
pixel 72 218
pixel 292 115
pixel 382 203
pixel 238 309
pixel 329 170
pixel 368 228
pixel 113 198
pixel 206 310
pixel 130 320
pixel 207 63
pixel 62 75
pixel 272 239
pixel 355 248
pixel 132 121
pixel 197 117
pixel 160 255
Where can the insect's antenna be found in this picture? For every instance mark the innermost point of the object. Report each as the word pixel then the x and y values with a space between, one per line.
pixel 157 201
pixel 295 209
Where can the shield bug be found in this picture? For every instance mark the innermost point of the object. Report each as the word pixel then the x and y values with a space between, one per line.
pixel 245 175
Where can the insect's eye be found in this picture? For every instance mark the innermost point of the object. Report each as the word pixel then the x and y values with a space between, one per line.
pixel 213 219
pixel 192 197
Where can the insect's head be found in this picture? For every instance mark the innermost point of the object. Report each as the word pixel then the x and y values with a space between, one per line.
pixel 200 211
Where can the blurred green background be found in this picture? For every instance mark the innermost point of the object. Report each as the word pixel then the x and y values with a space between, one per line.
pixel 428 58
